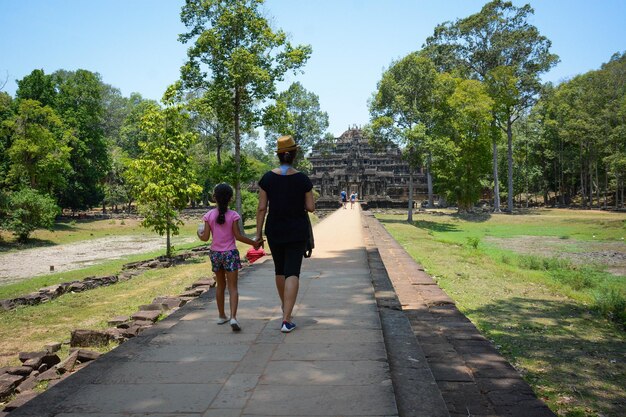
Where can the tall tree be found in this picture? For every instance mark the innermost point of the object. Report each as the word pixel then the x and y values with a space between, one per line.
pixel 461 143
pixel 6 112
pixel 163 173
pixel 39 152
pixel 236 58
pixel 131 133
pixel 402 109
pixel 497 45
pixel 296 112
pixel 37 86
pixel 79 103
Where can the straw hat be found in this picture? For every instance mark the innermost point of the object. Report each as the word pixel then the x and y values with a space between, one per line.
pixel 286 144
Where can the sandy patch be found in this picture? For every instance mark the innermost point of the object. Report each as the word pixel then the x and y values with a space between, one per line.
pixel 612 255
pixel 16 266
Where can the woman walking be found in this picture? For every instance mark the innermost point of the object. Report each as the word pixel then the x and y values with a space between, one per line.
pixel 225 260
pixel 289 195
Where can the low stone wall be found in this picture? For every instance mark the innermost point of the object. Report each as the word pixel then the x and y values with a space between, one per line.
pixel 128 271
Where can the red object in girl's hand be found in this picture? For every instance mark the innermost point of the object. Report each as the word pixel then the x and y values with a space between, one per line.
pixel 254 254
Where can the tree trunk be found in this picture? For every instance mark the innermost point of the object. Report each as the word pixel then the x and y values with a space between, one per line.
pixel 509 139
pixel 238 155
pixel 583 188
pixel 496 186
pixel 429 180
pixel 168 243
pixel 606 188
pixel 409 218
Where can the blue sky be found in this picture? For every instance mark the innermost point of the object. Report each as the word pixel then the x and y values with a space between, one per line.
pixel 133 43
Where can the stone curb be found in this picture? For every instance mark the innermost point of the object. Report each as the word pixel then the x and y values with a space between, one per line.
pixel 473 377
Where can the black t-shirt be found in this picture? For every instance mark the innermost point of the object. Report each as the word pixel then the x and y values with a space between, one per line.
pixel 286 220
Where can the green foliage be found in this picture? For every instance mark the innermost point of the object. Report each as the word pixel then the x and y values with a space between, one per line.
pixel 39 153
pixel 29 210
pixel 460 150
pixel 611 303
pixel 473 242
pixel 79 103
pixel 249 201
pixel 163 175
pixel 296 113
pixel 237 58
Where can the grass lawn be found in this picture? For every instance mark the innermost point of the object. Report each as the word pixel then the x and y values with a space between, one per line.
pixel 534 307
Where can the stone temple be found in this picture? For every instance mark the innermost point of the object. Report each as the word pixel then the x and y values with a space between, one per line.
pixel 379 177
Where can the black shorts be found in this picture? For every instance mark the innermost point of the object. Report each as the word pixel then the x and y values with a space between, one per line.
pixel 288 257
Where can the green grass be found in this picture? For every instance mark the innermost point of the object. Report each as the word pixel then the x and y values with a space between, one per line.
pixel 545 314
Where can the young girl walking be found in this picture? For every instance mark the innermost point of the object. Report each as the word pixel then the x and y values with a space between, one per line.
pixel 225 261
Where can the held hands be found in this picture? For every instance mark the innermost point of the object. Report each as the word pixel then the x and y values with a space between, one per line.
pixel 258 243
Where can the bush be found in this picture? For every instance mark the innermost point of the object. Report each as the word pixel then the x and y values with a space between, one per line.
pixel 576 279
pixel 29 210
pixel 611 304
pixel 249 204
pixel 473 242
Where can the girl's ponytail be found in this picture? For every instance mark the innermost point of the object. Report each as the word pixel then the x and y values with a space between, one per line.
pixel 222 193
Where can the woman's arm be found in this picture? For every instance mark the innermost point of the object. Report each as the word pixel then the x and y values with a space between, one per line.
pixel 240 237
pixel 309 202
pixel 207 232
pixel 260 214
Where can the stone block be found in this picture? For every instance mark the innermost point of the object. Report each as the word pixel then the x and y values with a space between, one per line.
pixel 170 302
pixel 18 370
pixel 204 282
pixel 146 315
pixel 117 320
pixel 7 384
pixel 84 338
pixel 49 375
pixel 67 365
pixel 86 355
pixel 53 347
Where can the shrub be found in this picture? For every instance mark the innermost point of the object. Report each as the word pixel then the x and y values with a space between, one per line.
pixel 473 242
pixel 29 210
pixel 576 279
pixel 611 303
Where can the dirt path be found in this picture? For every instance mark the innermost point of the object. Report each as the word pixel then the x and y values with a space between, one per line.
pixel 16 266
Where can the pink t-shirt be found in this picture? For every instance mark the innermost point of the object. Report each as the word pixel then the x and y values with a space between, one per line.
pixel 223 237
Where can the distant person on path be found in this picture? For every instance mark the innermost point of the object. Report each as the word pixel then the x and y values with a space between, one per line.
pixel 289 195
pixel 352 200
pixel 225 260
pixel 344 199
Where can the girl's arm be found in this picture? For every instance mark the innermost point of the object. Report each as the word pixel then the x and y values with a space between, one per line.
pixel 240 237
pixel 207 232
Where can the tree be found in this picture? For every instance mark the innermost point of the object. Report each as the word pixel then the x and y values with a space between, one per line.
pixel 30 210
pixel 131 133
pixel 498 46
pixel 39 152
pixel 163 173
pixel 296 113
pixel 402 110
pixel 79 104
pixel 236 58
pixel 6 112
pixel 461 144
pixel 37 86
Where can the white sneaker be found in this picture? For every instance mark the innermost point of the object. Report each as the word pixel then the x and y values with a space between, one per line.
pixel 222 320
pixel 235 325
